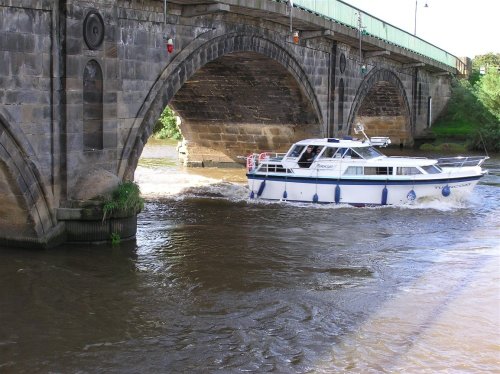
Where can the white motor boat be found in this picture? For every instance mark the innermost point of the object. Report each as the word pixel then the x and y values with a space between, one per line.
pixel 352 171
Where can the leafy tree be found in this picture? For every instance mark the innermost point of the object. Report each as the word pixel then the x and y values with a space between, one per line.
pixel 463 113
pixel 490 61
pixel 166 126
pixel 473 112
pixel 487 89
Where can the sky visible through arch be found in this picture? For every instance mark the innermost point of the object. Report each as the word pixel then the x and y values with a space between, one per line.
pixel 460 27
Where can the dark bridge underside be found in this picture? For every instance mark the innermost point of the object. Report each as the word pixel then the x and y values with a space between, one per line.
pixel 243 102
pixel 383 113
pixel 382 106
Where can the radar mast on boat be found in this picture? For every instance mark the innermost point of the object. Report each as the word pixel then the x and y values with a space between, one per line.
pixel 378 141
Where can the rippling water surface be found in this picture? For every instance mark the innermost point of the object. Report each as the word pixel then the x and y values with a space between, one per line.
pixel 216 282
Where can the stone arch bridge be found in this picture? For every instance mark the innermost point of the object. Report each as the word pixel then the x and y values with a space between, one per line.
pixel 83 83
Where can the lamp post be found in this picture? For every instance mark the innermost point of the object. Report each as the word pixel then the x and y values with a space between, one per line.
pixel 360 34
pixel 416 7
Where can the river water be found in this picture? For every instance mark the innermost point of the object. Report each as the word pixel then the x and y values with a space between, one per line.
pixel 218 283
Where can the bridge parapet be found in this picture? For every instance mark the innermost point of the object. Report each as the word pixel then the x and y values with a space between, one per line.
pixel 373 26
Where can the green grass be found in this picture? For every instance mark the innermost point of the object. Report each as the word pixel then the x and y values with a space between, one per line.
pixel 455 129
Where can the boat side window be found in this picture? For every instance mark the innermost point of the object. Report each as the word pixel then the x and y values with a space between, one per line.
pixel 354 170
pixel 431 169
pixel 265 168
pixel 307 157
pixel 407 171
pixel 379 170
pixel 296 151
pixel 328 152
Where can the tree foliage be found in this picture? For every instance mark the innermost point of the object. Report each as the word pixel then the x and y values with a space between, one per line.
pixel 487 90
pixel 166 126
pixel 489 61
pixel 473 112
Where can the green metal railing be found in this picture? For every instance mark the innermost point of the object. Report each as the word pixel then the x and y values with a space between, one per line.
pixel 347 15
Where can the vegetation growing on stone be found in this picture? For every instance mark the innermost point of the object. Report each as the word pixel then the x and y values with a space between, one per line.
pixel 125 199
pixel 115 238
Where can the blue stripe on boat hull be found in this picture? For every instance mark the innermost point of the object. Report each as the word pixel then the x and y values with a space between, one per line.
pixel 384 182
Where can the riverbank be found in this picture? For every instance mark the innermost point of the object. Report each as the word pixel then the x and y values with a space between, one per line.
pixel 467 121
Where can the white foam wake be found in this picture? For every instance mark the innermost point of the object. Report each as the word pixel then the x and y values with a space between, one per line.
pixel 176 183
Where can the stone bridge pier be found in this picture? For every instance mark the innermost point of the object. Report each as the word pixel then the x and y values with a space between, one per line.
pixel 83 83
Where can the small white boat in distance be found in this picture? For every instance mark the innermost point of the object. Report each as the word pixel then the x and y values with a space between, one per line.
pixel 351 171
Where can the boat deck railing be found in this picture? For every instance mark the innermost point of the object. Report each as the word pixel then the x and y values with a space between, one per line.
pixel 461 161
pixel 413 158
pixel 254 159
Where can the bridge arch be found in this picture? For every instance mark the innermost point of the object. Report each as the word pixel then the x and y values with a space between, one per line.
pixel 26 202
pixel 217 46
pixel 382 105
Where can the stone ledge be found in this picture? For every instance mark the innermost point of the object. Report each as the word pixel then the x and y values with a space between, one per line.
pixel 88 213
pixel 56 236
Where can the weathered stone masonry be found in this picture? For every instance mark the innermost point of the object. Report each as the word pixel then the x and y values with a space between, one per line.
pixel 82 84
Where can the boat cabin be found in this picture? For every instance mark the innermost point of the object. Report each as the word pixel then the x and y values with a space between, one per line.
pixel 352 157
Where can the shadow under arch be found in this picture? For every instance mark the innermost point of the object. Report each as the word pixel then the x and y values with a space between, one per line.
pixel 210 47
pixel 373 78
pixel 23 191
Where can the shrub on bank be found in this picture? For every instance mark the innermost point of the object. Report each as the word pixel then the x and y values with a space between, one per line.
pixel 488 136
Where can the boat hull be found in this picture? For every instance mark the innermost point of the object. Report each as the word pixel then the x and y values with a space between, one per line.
pixel 358 191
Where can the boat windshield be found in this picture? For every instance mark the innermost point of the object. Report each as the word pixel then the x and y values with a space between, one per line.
pixel 367 152
pixel 295 151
